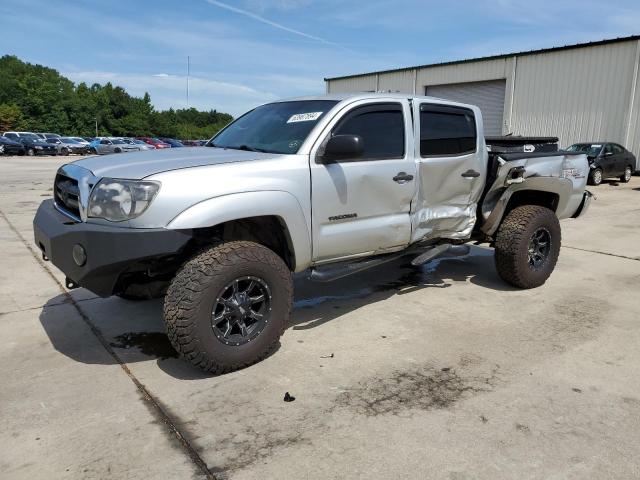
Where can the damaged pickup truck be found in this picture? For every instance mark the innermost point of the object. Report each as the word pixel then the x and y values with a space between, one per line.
pixel 329 185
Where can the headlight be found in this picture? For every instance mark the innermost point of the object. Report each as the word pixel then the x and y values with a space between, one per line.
pixel 117 200
pixel 38 147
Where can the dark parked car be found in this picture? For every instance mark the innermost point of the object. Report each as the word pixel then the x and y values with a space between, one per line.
pixel 37 146
pixel 173 142
pixel 607 160
pixel 11 147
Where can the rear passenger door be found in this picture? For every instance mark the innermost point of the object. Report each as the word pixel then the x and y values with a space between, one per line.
pixel 452 166
pixel 620 158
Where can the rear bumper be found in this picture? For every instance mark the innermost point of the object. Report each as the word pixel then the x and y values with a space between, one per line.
pixel 587 197
pixel 109 250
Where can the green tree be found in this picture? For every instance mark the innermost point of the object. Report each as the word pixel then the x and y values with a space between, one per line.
pixel 10 117
pixel 34 97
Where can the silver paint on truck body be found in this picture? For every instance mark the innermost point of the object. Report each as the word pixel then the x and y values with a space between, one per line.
pixel 336 211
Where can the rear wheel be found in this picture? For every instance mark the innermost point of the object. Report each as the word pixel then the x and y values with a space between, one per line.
pixel 527 246
pixel 595 177
pixel 626 176
pixel 228 306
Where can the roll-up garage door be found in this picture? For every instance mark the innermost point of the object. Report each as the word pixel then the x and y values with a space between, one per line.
pixel 489 96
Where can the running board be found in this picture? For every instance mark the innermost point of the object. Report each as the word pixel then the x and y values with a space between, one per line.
pixel 334 272
pixel 341 270
pixel 444 249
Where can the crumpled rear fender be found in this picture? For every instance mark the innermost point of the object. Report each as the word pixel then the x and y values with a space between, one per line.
pixel 237 206
pixel 561 186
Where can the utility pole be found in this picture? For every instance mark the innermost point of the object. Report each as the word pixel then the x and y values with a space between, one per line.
pixel 188 73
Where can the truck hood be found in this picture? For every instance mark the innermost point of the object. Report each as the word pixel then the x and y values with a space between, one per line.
pixel 137 165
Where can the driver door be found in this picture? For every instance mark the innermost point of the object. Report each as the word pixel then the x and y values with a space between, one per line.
pixel 361 206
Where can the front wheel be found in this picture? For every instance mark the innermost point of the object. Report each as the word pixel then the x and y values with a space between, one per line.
pixel 595 177
pixel 31 152
pixel 228 306
pixel 527 246
pixel 626 176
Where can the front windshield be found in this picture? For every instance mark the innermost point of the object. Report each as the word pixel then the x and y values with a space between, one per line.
pixel 590 149
pixel 30 136
pixel 273 128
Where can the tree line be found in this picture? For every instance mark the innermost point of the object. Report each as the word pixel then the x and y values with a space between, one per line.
pixel 38 98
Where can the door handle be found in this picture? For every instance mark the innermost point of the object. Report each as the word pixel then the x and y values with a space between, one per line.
pixel 403 177
pixel 470 174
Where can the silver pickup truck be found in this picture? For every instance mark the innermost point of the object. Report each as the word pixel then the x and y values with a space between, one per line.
pixel 329 185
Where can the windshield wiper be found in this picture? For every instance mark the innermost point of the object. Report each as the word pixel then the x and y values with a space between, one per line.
pixel 248 148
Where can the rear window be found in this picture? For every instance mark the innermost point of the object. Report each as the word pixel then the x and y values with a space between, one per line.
pixel 446 131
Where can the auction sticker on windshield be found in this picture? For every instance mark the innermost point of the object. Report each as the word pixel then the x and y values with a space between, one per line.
pixel 304 117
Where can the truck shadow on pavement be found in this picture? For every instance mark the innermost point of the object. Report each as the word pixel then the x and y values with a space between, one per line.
pixel 134 331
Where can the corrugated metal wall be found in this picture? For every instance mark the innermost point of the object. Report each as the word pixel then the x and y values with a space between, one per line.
pixel 578 94
pixel 364 83
pixel 402 81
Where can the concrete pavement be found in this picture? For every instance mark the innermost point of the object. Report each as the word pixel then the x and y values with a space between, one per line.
pixel 443 372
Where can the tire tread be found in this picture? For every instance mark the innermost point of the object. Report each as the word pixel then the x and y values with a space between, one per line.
pixel 184 297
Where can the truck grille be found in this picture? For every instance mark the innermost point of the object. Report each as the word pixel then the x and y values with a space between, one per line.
pixel 67 194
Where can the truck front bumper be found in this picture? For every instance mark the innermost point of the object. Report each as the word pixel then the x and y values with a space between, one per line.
pixel 94 256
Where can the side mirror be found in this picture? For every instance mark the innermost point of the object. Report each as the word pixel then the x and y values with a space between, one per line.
pixel 343 147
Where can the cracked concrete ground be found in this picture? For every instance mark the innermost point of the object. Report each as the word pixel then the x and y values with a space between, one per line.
pixel 443 372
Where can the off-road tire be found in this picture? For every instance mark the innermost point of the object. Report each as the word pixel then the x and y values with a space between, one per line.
pixel 595 179
pixel 626 176
pixel 512 246
pixel 189 303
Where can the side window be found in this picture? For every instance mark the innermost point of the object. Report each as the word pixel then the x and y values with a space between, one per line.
pixel 105 142
pixel 446 130
pixel 11 135
pixel 617 149
pixel 607 148
pixel 380 126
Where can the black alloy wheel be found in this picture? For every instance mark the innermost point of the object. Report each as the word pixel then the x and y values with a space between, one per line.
pixel 241 310
pixel 539 248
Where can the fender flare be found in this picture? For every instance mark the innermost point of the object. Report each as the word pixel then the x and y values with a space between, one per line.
pixel 238 206
pixel 560 186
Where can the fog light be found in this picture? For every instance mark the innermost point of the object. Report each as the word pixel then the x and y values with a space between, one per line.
pixel 79 255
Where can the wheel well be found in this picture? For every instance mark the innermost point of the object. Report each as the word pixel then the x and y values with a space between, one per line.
pixel 533 197
pixel 270 231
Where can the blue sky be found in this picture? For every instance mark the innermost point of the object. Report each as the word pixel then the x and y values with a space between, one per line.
pixel 248 52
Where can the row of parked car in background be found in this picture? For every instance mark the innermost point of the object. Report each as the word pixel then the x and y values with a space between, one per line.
pixel 30 143
pixel 606 159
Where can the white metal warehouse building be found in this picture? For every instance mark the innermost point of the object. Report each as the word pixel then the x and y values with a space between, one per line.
pixel 584 92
